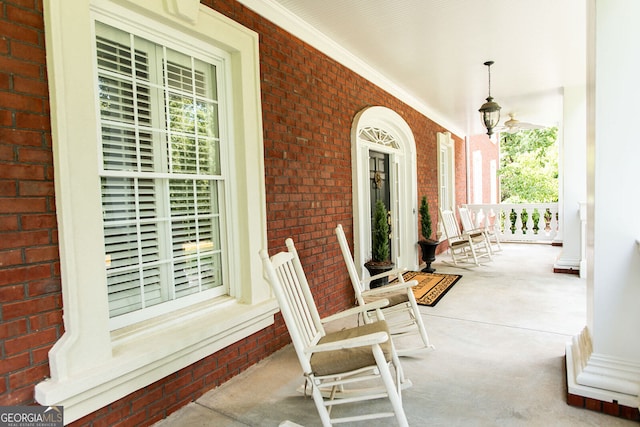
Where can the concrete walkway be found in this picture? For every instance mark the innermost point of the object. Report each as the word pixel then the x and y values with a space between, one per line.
pixel 500 336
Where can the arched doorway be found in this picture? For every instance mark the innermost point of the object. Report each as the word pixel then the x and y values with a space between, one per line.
pixel 384 166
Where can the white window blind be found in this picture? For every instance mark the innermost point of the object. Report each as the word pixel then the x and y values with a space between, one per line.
pixel 162 178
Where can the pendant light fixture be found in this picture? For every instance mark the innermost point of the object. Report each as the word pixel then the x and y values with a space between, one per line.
pixel 490 110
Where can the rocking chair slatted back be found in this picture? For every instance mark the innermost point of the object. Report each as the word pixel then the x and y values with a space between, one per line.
pixel 299 311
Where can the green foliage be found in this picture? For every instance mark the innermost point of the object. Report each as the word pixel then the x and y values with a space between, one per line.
pixel 529 166
pixel 425 218
pixel 380 235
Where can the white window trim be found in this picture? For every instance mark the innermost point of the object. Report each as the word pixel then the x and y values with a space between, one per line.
pixel 91 366
pixel 446 177
pixel 403 165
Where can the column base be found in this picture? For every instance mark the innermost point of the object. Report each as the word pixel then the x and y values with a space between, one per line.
pixel 615 403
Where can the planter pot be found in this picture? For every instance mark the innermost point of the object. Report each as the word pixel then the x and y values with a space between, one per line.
pixel 428 248
pixel 375 268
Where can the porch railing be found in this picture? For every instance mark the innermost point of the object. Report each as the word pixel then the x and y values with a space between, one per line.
pixel 519 222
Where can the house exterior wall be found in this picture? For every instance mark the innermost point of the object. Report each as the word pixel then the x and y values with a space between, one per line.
pixel 308 104
pixel 489 151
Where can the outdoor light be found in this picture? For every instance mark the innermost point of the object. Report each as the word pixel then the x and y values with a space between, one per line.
pixel 490 111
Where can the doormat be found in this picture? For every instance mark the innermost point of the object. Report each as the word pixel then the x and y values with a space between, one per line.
pixel 431 287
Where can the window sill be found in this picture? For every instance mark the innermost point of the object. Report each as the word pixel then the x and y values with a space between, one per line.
pixel 141 356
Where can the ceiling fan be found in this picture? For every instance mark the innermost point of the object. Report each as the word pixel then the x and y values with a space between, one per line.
pixel 514 125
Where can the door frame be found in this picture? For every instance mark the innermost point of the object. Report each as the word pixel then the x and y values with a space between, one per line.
pixel 397 140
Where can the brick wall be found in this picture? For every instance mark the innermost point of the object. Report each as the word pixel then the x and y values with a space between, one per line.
pixel 309 102
pixel 489 151
pixel 30 298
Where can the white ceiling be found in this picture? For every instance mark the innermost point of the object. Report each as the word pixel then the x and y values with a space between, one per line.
pixel 435 50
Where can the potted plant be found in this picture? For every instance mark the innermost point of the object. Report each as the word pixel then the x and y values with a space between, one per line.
pixel 427 245
pixel 380 261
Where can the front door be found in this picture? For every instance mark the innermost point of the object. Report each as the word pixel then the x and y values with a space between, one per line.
pixel 379 185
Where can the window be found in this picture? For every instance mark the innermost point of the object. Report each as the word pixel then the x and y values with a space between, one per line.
pixel 446 172
pixel 160 199
pixel 161 175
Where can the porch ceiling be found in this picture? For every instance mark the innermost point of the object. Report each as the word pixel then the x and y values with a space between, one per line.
pixel 435 50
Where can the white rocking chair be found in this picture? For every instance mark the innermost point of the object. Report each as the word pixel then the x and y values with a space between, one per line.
pixel 402 313
pixel 333 362
pixel 489 231
pixel 465 248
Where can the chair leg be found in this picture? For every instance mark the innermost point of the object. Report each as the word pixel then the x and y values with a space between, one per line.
pixel 419 322
pixel 387 379
pixel 322 410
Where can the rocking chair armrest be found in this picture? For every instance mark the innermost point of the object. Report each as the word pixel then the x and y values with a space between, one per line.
pixel 390 288
pixel 394 272
pixel 357 310
pixel 361 341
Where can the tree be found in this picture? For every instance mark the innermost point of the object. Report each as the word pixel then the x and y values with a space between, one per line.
pixel 529 166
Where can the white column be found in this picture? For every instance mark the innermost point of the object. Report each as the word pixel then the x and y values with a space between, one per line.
pixel 573 169
pixel 603 362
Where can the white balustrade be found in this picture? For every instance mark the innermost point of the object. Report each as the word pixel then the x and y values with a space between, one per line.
pixel 520 222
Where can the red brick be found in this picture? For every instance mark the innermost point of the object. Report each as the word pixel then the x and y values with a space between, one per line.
pixel 13 329
pixel 6 117
pixel 5 79
pixel 28 52
pixel 20 137
pixel 44 287
pixel 14 101
pixel 24 238
pixel 19 32
pixel 24 16
pixel 8 223
pixel 30 86
pixel 24 274
pixel 146 399
pixel 32 375
pixel 22 172
pixel 38 221
pixel 40 254
pixel 31 341
pixel 32 121
pixel 35 155
pixel 7 189
pixel 23 204
pixel 45 320
pixel 36 188
pixel 19 67
pixel 11 293
pixel 21 396
pixel 593 404
pixel 40 355
pixel 611 408
pixel 14 363
pixel 7 153
pixel 10 258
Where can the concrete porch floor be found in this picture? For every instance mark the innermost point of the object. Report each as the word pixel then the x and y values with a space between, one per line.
pixel 500 336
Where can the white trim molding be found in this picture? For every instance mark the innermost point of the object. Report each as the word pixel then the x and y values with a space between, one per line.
pixel 403 186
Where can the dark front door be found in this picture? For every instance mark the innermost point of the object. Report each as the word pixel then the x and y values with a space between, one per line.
pixel 379 185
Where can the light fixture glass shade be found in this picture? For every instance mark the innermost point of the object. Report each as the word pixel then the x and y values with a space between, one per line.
pixel 490 115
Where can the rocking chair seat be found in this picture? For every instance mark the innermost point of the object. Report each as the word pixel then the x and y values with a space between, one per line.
pixel 349 359
pixel 394 298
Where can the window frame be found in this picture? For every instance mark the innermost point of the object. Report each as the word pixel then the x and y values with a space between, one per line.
pixel 446 174
pixel 92 366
